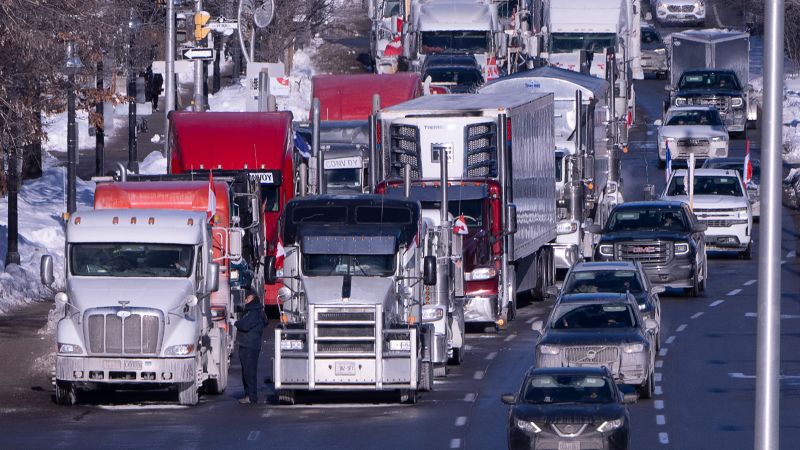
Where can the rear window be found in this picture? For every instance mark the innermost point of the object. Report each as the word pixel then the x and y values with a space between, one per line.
pixel 320 214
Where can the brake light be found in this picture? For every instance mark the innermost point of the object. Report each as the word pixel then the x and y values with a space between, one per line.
pixel 508 130
pixel 378 131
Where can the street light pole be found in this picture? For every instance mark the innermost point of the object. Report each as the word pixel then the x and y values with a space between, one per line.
pixel 72 145
pixel 133 157
pixel 99 132
pixel 198 70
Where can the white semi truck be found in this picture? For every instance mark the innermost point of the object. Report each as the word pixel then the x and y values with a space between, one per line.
pixel 137 309
pixel 475 135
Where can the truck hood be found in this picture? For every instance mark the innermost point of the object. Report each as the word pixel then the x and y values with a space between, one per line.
pixel 592 337
pixel 712 201
pixel 649 236
pixel 691 131
pixel 363 290
pixel 157 293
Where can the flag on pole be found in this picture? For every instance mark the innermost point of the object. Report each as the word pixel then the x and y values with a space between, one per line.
pixel 668 172
pixel 212 197
pixel 280 255
pixel 460 225
pixel 747 171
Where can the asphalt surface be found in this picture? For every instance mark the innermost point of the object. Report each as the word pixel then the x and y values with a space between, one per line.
pixel 705 387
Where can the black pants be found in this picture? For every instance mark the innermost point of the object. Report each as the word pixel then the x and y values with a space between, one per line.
pixel 249 359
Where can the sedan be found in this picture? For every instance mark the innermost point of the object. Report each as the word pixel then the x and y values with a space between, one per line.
pixel 568 408
pixel 692 129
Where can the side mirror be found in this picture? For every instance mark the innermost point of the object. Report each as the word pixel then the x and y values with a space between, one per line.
pixel 658 122
pixel 46 270
pixel 538 326
pixel 658 290
pixel 552 290
pixel 595 228
pixel 235 244
pixel 650 324
pixel 511 218
pixel 429 271
pixel 630 397
pixel 212 278
pixel 270 273
pixel 700 227
pixel 508 399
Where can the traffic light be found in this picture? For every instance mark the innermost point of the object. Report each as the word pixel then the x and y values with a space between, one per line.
pixel 200 30
pixel 180 28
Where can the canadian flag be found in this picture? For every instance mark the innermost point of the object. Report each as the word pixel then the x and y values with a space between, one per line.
pixel 394 48
pixel 748 165
pixel 460 225
pixel 280 255
pixel 491 71
pixel 212 197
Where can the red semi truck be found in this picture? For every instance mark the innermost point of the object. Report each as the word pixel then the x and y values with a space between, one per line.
pixel 260 144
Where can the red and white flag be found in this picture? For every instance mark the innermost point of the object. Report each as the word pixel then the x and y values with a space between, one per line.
pixel 280 255
pixel 460 225
pixel 212 197
pixel 748 165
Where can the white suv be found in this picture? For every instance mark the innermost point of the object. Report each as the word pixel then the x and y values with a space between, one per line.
pixel 721 202
pixel 680 11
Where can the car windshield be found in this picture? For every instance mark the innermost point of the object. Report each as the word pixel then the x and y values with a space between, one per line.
pixel 595 315
pixel 738 166
pixel 131 260
pixel 650 36
pixel 324 265
pixel 471 209
pixel 694 117
pixel 570 42
pixel 649 219
pixel 454 41
pixel 457 76
pixel 270 197
pixel 343 181
pixel 391 8
pixel 709 80
pixel 707 185
pixel 587 281
pixel 555 389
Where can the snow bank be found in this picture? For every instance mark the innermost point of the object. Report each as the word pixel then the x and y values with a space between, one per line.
pixel 791 115
pixel 154 164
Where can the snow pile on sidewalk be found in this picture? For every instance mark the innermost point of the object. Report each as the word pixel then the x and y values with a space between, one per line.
pixel 791 115
pixel 41 231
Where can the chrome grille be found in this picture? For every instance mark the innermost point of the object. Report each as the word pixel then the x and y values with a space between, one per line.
pixel 405 149
pixel 592 355
pixel 724 223
pixel 481 150
pixel 721 103
pixel 138 333
pixel 345 330
pixel 654 253
pixel 687 8
pixel 572 429
pixel 674 8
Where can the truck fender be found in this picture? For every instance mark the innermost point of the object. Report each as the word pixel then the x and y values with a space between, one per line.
pixel 426 333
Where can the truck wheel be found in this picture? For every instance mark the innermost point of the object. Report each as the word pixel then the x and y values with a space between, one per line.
pixel 217 386
pixel 694 291
pixel 408 396
pixel 426 376
pixel 66 393
pixel 646 390
pixel 188 393
pixel 286 396
pixel 704 283
pixel 747 253
pixel 457 358
pixel 439 371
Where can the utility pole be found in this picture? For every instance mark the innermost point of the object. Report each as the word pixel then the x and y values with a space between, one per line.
pixel 99 132
pixel 169 82
pixel 768 340
pixel 198 65
pixel 133 158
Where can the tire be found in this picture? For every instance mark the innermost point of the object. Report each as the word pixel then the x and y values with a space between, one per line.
pixel 286 396
pixel 646 390
pixel 457 358
pixel 66 393
pixel 704 283
pixel 693 291
pixel 426 377
pixel 188 393
pixel 662 164
pixel 408 396
pixel 439 371
pixel 747 253
pixel 217 386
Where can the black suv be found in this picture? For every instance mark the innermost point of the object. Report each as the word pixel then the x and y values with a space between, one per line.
pixel 714 87
pixel 664 236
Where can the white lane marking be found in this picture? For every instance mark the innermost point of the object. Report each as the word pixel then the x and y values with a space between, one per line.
pixel 253 435
pixel 470 397
pixel 750 282
pixel 791 254
pixel 663 438
pixel 681 327
pixel 740 375
pixel 530 321
pixel 658 404
pixel 491 356
pixel 660 419
pixel 783 316
pixel 716 16
pixel 461 421
pixel 478 375
pixel 658 377
pixel 467 347
pixel 455 443
pixel 663 352
pixel 510 337
pixel 670 339
pixel 658 391
pixel 659 364
pixel 697 314
pixel 734 292
pixel 140 407
pixel 716 303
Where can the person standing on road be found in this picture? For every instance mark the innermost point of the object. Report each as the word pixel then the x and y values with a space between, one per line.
pixel 251 328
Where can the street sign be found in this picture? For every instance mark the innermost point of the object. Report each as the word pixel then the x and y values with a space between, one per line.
pixel 201 53
pixel 221 25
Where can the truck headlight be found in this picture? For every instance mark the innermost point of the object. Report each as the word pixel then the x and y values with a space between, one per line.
pixel 399 346
pixel 549 349
pixel 291 344
pixel 718 139
pixel 741 213
pixel 530 427
pixel 606 250
pixel 481 273
pixel 234 274
pixel 633 348
pixel 432 314
pixel 609 425
pixel 680 101
pixel 699 4
pixel 660 51
pixel 737 102
pixel 179 350
pixel 681 248
pixel 566 227
pixel 69 349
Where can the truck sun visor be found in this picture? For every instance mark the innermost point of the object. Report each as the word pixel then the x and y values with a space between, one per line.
pixel 349 245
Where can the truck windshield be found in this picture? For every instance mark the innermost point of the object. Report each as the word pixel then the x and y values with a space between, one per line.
pixel 356 265
pixel 454 42
pixel 270 197
pixel 570 42
pixel 647 220
pixel 131 260
pixel 709 81
pixel 602 281
pixel 707 185
pixel 458 76
pixel 554 389
pixel 572 316
pixel 471 209
pixel 343 181
pixel 695 117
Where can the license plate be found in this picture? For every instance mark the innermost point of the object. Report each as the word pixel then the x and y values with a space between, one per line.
pixel 265 178
pixel 132 365
pixel 345 368
pixel 571 445
pixel 112 364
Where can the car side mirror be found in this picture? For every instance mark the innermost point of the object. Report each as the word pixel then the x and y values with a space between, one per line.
pixel 658 290
pixel 700 227
pixel 46 270
pixel 429 270
pixel 595 228
pixel 650 324
pixel 538 326
pixel 212 278
pixel 630 397
pixel 270 273
pixel 508 399
pixel 552 290
pixel 658 122
pixel 235 248
pixel 511 218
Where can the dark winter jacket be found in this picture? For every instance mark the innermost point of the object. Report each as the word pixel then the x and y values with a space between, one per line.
pixel 251 325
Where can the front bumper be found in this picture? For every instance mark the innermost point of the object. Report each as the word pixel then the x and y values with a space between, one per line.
pixel 630 369
pixel 677 273
pixel 718 149
pixel 480 309
pixel 654 63
pixel 125 370
pixel 549 439
pixel 735 237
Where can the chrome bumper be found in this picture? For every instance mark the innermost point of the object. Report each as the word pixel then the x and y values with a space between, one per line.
pixel 125 370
